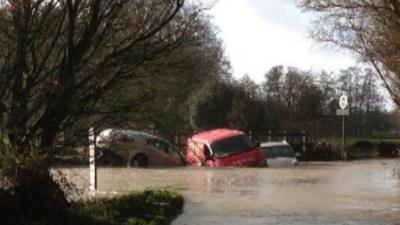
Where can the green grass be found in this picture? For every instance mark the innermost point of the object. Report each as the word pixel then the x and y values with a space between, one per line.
pixel 148 207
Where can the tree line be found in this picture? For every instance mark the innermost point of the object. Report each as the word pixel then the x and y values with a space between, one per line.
pixel 288 99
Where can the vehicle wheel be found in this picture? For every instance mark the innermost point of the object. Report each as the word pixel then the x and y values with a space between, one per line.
pixel 139 161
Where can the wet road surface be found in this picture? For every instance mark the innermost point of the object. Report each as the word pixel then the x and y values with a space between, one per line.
pixel 353 193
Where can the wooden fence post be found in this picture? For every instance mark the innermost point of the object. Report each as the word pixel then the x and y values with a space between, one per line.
pixel 92 162
pixel 304 140
pixel 269 136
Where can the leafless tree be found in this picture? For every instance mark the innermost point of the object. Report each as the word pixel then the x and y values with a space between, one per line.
pixel 60 59
pixel 370 28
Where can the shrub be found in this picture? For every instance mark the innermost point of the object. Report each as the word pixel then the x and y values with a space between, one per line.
pixel 35 199
pixel 366 145
pixel 321 152
pixel 387 149
pixel 361 150
pixel 148 207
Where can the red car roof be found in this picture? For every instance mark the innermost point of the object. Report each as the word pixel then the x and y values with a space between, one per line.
pixel 215 135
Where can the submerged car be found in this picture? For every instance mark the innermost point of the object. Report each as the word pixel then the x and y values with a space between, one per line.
pixel 222 147
pixel 279 154
pixel 136 149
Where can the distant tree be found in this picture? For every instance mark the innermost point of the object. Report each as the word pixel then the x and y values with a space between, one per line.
pixel 249 87
pixel 272 93
pixel 284 89
pixel 292 99
pixel 271 87
pixel 327 84
pixel 230 104
pixel 295 81
pixel 249 112
pixel 364 97
pixel 309 106
pixel 211 106
pixel 200 59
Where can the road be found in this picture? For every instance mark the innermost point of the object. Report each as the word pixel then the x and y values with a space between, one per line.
pixel 353 193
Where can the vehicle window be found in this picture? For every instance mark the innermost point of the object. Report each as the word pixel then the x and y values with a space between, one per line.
pixel 163 146
pixel 269 152
pixel 160 145
pixel 195 147
pixel 231 145
pixel 283 151
pixel 173 150
pixel 120 136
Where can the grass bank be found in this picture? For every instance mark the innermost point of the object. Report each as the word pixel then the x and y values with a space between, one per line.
pixel 153 207
pixel 356 148
pixel 148 207
pixel 353 140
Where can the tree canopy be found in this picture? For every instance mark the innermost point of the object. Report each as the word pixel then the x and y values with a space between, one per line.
pixel 63 61
pixel 60 58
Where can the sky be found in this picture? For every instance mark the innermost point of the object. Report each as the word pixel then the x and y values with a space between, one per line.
pixel 260 34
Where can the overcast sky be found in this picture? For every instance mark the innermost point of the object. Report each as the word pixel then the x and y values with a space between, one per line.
pixel 259 34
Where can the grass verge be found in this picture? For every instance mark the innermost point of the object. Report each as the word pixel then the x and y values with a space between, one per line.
pixel 352 140
pixel 148 207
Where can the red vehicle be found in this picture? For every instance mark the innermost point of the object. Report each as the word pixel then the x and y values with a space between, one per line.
pixel 223 147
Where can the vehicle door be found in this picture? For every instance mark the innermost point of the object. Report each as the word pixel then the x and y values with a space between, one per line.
pixel 164 154
pixel 287 155
pixel 247 158
pixel 194 153
pixel 283 155
pixel 272 159
pixel 175 157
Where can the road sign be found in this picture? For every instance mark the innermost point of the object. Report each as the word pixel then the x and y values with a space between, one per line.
pixel 343 101
pixel 342 112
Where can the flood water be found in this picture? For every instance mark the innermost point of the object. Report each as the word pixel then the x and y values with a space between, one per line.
pixel 354 193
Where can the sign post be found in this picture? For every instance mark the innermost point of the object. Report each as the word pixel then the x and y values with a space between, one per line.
pixel 343 112
pixel 92 162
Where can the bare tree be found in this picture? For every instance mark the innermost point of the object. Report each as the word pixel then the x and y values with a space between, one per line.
pixel 198 60
pixel 368 28
pixel 59 60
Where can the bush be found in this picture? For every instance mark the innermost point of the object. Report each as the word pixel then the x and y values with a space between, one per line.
pixel 148 207
pixel 387 149
pixel 321 152
pixel 34 199
pixel 366 145
pixel 362 150
pixel 359 150
pixel 361 153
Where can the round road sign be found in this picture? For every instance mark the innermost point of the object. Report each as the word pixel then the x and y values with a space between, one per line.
pixel 343 101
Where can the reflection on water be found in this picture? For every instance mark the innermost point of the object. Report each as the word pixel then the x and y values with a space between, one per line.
pixel 362 192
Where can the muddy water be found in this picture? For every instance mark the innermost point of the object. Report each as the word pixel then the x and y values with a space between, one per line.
pixel 361 192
